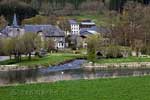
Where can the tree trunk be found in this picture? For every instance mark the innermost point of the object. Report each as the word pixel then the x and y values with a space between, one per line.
pixel 29 56
pixel 20 58
pixel 10 57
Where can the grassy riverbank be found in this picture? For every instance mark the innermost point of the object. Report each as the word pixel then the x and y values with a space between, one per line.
pixel 132 88
pixel 123 60
pixel 51 59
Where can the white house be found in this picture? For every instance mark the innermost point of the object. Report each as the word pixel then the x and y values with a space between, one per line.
pixel 75 27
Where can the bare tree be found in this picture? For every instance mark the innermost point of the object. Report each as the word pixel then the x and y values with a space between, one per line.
pixel 93 6
pixel 3 22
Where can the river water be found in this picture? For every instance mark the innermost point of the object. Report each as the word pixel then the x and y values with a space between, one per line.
pixel 69 71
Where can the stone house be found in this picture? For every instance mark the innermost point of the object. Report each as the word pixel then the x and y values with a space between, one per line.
pixel 48 31
pixel 45 31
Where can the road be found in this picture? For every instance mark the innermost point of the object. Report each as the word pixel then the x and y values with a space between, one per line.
pixel 2 58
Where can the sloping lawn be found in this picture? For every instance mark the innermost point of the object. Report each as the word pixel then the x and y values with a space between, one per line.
pixel 99 19
pixel 123 60
pixel 51 59
pixel 133 88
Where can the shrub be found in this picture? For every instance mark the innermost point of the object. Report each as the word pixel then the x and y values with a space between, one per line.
pixel 146 50
pixel 114 51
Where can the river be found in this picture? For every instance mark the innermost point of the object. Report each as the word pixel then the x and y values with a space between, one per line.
pixel 69 71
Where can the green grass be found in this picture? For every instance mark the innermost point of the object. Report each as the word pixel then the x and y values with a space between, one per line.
pixel 133 88
pixel 99 19
pixel 51 59
pixel 123 60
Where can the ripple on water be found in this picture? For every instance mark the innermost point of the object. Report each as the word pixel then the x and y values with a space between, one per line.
pixel 76 64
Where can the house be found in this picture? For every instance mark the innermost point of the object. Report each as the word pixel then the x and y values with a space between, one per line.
pixel 81 30
pixel 45 31
pixel 87 24
pixel 48 31
pixel 85 32
pixel 75 28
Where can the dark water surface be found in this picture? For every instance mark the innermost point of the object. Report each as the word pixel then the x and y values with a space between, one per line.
pixel 68 71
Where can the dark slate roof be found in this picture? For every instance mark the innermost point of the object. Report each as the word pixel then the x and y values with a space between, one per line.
pixel 73 21
pixel 48 30
pixel 84 31
pixel 87 31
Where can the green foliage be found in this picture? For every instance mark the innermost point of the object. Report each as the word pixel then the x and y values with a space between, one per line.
pixel 113 51
pixel 146 50
pixel 123 60
pixel 130 88
pixel 93 43
pixel 1 46
pixel 36 20
pixel 51 59
pixel 49 44
pixel 3 22
pixel 19 45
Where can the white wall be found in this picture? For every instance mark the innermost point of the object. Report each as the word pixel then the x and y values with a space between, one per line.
pixel 75 29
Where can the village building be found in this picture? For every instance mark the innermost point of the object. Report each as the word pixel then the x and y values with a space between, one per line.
pixel 75 27
pixel 45 31
pixel 48 31
pixel 87 24
pixel 13 30
pixel 81 30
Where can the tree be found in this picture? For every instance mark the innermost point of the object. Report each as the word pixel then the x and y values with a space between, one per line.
pixel 36 4
pixel 14 46
pixel 68 9
pixel 8 8
pixel 3 22
pixel 145 26
pixel 8 46
pixel 133 27
pixel 93 7
pixel 46 8
pixel 31 42
pixel 64 24
pixel 49 44
pixel 94 42
pixel 2 46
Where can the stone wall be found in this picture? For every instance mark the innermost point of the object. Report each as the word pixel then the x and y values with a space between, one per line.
pixel 118 65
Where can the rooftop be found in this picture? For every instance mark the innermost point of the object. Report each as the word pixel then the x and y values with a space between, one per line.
pixel 72 21
pixel 15 23
pixel 94 30
pixel 48 30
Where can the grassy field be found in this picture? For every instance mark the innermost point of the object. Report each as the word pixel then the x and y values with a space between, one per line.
pixel 51 59
pixel 99 19
pixel 133 88
pixel 123 60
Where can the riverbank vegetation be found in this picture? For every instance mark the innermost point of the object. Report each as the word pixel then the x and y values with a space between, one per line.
pixel 131 88
pixel 50 59
pixel 130 32
pixel 123 60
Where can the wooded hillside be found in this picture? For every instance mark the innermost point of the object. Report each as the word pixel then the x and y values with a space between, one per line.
pixel 30 8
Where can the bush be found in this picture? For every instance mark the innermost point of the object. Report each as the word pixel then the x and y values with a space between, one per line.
pixel 146 50
pixel 114 51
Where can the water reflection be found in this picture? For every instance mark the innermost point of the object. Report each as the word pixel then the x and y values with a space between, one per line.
pixel 69 71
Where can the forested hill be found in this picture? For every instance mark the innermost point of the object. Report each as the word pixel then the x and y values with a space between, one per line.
pixel 30 8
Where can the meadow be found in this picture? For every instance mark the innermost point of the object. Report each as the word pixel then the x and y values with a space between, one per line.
pixel 131 88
